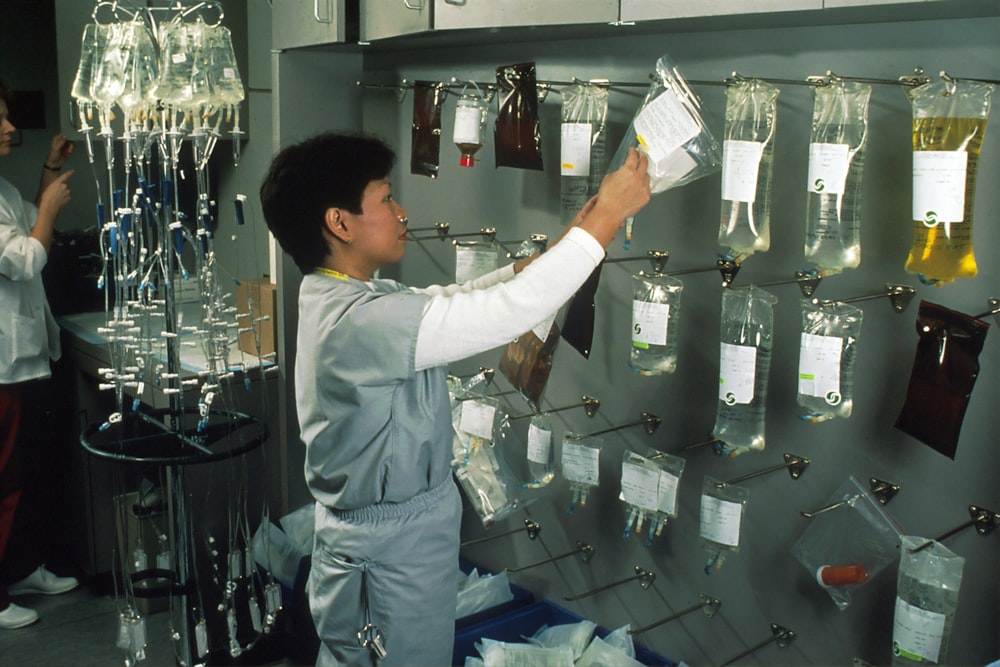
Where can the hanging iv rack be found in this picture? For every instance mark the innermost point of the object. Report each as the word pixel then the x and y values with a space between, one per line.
pixel 658 260
pixel 808 281
pixel 983 519
pixel 782 636
pixel 585 550
pixel 880 490
pixel 644 577
pixel 444 232
pixel 899 295
pixel 708 604
pixel 796 466
pixel 488 374
pixel 589 404
pixel 530 527
pixel 952 79
pixel 648 421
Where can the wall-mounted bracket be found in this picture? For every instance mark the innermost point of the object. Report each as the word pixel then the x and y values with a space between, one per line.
pixel 648 421
pixel 796 466
pixel 779 635
pixel 657 259
pixel 899 295
pixel 807 281
pixel 994 310
pixel 644 577
pixel 727 267
pixel 983 519
pixel 585 550
pixel 882 491
pixel 589 404
pixel 441 228
pixel 530 527
pixel 708 604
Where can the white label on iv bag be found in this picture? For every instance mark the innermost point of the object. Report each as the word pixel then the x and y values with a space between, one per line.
pixel 664 125
pixel 574 151
pixel 737 371
pixel 477 419
pixel 740 167
pixel 916 632
pixel 939 186
pixel 581 463
pixel 720 520
pixel 640 486
pixel 471 264
pixel 828 165
pixel 667 493
pixel 819 367
pixel 539 444
pixel 468 124
pixel 649 323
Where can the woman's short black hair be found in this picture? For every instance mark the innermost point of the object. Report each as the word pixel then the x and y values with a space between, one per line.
pixel 305 179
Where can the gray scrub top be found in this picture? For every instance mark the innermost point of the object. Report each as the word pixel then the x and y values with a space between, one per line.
pixel 375 430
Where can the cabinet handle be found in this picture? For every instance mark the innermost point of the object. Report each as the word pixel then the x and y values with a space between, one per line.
pixel 316 15
pixel 419 6
pixel 460 3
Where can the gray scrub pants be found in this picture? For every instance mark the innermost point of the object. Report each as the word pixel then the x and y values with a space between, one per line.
pixel 394 565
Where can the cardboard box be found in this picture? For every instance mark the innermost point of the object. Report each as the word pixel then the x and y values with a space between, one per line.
pixel 259 324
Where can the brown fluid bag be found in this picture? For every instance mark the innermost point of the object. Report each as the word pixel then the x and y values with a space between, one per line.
pixel 517 140
pixel 527 363
pixel 425 149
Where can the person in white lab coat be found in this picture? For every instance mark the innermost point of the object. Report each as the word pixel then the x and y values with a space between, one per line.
pixel 371 392
pixel 29 338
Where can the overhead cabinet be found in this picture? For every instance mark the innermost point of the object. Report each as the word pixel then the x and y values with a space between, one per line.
pixel 647 10
pixel 298 23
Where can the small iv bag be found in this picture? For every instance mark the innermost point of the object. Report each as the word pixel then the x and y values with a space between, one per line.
pixel 581 458
pixel 656 301
pixel 827 352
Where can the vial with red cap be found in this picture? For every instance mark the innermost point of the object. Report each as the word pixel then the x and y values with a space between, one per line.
pixel 470 117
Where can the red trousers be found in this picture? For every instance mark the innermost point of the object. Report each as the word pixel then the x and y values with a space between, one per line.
pixel 10 489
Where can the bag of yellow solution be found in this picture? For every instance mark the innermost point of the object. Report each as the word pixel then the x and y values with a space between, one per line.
pixel 949 121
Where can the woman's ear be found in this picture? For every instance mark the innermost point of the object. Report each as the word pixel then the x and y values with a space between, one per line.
pixel 335 222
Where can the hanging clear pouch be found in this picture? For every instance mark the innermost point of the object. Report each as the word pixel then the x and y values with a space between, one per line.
pixel 539 455
pixel 474 259
pixel 944 373
pixel 747 160
pixel 927 588
pixel 747 332
pixel 177 63
pixel 140 71
pixel 517 140
pixel 93 44
pixel 949 122
pixel 477 463
pixel 109 71
pixel 721 520
pixel 582 145
pixel 649 491
pixel 837 147
pixel 581 458
pixel 656 302
pixel 848 542
pixel 827 351
pixel 425 145
pixel 224 72
pixel 527 361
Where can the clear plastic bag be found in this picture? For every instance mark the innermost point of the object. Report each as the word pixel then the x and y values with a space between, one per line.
pixel 477 463
pixel 949 122
pixel 527 362
pixel 517 139
pixel 425 133
pixel 649 490
pixel 845 547
pixel 656 302
pixel 582 145
pixel 474 259
pixel 837 149
pixel 827 352
pixel 581 466
pixel 747 332
pixel 721 520
pixel 540 452
pixel 748 158
pixel 927 588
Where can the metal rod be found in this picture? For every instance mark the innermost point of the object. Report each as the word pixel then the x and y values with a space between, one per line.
pixel 589 404
pixel 657 258
pixel 899 295
pixel 807 281
pixel 883 492
pixel 489 233
pixel 944 75
pixel 649 421
pixel 581 548
pixel 499 393
pixel 709 604
pixel 994 305
pixel 703 443
pixel 532 528
pixel 795 465
pixel 983 519
pixel 645 578
pixel 440 227
pixel 910 80
pixel 783 636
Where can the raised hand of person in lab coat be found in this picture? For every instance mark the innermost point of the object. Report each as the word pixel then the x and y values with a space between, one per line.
pixel 623 193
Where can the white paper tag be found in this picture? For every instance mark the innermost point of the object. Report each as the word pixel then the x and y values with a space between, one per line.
pixel 574 151
pixel 471 263
pixel 543 329
pixel 917 632
pixel 819 367
pixel 828 164
pixel 720 520
pixel 581 463
pixel 539 444
pixel 640 486
pixel 477 419
pixel 740 166
pixel 667 493
pixel 664 125
pixel 737 370
pixel 939 186
pixel 649 323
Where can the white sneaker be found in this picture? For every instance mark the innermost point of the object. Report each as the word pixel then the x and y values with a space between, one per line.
pixel 16 617
pixel 44 582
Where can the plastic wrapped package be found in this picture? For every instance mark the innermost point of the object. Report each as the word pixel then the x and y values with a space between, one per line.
pixel 503 654
pixel 747 167
pixel 474 259
pixel 576 636
pixel 945 368
pixel 425 132
pixel 827 352
pixel 582 145
pixel 477 592
pixel 721 520
pixel 656 301
pixel 477 465
pixel 747 332
pixel 837 147
pixel 517 140
pixel 949 123
pixel 849 543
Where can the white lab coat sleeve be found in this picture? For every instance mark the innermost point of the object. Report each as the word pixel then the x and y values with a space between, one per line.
pixel 457 325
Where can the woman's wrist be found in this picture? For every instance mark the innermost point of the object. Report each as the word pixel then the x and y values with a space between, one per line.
pixel 46 167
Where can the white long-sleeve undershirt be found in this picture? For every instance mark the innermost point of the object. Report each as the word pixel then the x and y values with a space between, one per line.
pixel 462 320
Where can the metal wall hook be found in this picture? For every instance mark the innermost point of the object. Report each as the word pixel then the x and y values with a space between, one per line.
pixel 739 78
pixel 657 259
pixel 796 466
pixel 954 79
pixel 488 234
pixel 708 604
pixel 530 527
pixel 478 396
pixel 994 310
pixel 440 227
pixel 882 491
pixel 830 78
pixel 899 295
pixel 807 281
pixel 539 239
pixel 645 578
pixel 589 404
pixel 488 374
pixel 782 636
pixel 918 78
pixel 585 550
pixel 983 519
pixel 647 420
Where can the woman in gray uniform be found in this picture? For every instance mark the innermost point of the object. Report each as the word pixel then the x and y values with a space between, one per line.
pixel 371 392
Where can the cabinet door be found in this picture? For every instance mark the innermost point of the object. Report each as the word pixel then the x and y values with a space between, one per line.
pixel 452 14
pixel 642 10
pixel 391 18
pixel 307 22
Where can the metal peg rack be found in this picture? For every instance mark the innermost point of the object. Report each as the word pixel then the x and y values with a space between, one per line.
pixel 994 310
pixel 643 576
pixel 983 519
pixel 880 490
pixel 585 551
pixel 530 527
pixel 657 259
pixel 899 295
pixel 589 404
pixel 779 635
pixel 807 281
pixel 443 231
pixel 796 466
pixel 708 604
pixel 648 421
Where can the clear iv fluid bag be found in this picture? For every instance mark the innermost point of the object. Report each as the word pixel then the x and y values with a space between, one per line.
pixel 744 367
pixel 656 300
pixel 141 70
pixel 224 73
pixel 827 352
pixel 108 80
pixel 93 44
pixel 837 151
pixel 541 462
pixel 582 147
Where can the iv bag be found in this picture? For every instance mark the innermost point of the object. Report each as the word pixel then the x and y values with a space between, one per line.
pixel 721 520
pixel 747 332
pixel 471 110
pixel 837 148
pixel 109 71
pixel 527 361
pixel 517 140
pixel 582 145
pixel 477 468
pixel 474 259
pixel 581 459
pixel 748 156
pixel 656 301
pixel 649 490
pixel 578 325
pixel 177 61
pixel 949 121
pixel 140 70
pixel 93 44
pixel 224 72
pixel 425 149
pixel 541 463
pixel 827 351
